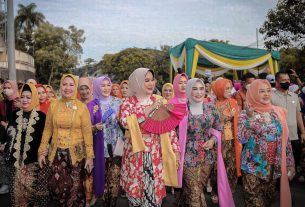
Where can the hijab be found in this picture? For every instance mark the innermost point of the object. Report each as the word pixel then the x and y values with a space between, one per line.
pixel 97 93
pixel 177 78
pixel 85 81
pixel 31 80
pixel 195 107
pixel 45 105
pixel 252 96
pixel 41 86
pixel 50 87
pixel 219 88
pixel 168 85
pixel 121 85
pixel 115 85
pixel 14 87
pixel 136 82
pixel 35 99
pixel 75 82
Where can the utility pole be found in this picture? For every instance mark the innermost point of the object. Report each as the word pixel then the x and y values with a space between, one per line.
pixel 11 41
pixel 256 38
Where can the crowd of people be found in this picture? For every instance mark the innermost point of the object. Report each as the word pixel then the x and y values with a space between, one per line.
pixel 89 141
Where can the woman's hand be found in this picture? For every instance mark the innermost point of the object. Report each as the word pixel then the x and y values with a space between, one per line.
pixel 249 109
pixel 2 146
pixel 99 126
pixel 4 124
pixel 154 106
pixel 291 172
pixel 89 165
pixel 208 145
pixel 41 160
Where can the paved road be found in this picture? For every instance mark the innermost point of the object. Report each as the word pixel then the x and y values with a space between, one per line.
pixel 297 189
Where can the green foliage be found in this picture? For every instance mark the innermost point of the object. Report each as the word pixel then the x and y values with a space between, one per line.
pixel 293 58
pixel 26 21
pixel 120 65
pixel 57 51
pixel 220 41
pixel 285 25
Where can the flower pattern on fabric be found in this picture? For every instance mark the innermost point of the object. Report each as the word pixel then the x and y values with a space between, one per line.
pixel 111 127
pixel 132 173
pixel 262 139
pixel 198 132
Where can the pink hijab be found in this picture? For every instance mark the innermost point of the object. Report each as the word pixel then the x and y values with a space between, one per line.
pixel 178 94
pixel 253 94
pixel 14 86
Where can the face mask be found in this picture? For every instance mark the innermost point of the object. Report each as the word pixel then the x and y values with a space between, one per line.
pixel 8 92
pixel 285 85
pixel 303 90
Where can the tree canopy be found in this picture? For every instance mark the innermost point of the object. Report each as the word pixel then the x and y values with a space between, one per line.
pixel 57 51
pixel 120 65
pixel 26 21
pixel 285 25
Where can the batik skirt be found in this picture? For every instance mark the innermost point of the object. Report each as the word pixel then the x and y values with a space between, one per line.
pixel 28 185
pixel 149 195
pixel 112 185
pixel 194 181
pixel 258 192
pixel 228 153
pixel 66 183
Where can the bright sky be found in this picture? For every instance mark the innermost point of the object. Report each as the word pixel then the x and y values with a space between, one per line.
pixel 113 25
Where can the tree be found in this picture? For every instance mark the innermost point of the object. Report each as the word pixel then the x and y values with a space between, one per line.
pixel 88 62
pixel 57 51
pixel 220 41
pixel 120 65
pixel 285 25
pixel 26 21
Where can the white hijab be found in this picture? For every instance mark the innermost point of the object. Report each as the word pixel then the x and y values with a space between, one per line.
pixel 196 108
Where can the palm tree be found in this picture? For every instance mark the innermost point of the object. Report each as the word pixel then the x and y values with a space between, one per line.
pixel 25 22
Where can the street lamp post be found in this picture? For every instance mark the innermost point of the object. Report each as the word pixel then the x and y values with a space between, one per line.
pixel 11 40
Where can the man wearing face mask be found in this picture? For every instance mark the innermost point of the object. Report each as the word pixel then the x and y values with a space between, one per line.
pixel 240 95
pixel 286 99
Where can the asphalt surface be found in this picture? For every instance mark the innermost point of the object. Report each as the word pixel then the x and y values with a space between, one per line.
pixel 297 189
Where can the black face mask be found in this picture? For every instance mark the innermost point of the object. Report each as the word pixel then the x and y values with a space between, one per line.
pixel 285 85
